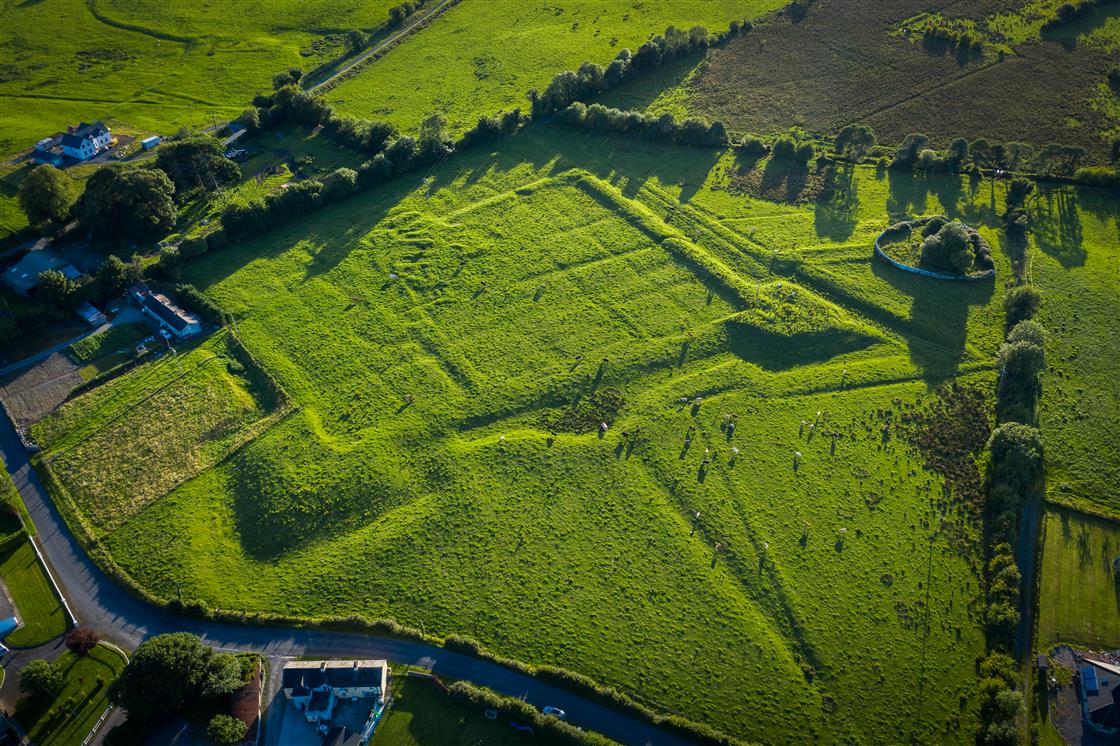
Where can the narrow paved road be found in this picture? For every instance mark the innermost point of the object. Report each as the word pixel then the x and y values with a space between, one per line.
pixel 122 617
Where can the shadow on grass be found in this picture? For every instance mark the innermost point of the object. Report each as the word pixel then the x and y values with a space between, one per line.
pixel 834 214
pixel 774 352
pixel 938 319
pixel 1056 224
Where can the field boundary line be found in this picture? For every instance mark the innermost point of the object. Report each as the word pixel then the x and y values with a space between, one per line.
pixel 134 28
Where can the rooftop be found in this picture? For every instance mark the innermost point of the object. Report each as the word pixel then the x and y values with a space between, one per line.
pixel 348 674
pixel 24 274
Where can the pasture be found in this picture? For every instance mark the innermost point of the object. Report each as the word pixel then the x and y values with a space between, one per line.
pixel 488 55
pixel 1080 593
pixel 453 344
pixel 150 66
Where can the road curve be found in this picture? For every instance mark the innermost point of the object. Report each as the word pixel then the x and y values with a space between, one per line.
pixel 127 620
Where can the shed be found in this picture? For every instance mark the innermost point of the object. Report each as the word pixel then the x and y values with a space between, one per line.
pixel 8 626
pixel 47 156
pixel 91 315
pixel 1043 662
pixel 150 142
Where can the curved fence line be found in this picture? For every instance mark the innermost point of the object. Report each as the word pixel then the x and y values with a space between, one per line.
pixel 978 277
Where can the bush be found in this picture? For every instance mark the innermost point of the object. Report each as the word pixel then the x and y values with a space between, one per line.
pixel 81 640
pixel 1021 303
pixel 1016 456
pixel 196 301
pixel 40 678
pixel 224 730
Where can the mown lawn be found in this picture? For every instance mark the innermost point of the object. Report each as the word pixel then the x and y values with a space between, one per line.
pixel 535 292
pixel 68 718
pixel 1079 600
pixel 40 610
pixel 488 55
pixel 424 715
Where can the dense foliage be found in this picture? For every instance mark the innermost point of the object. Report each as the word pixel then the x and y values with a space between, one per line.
pixel 47 194
pixel 127 202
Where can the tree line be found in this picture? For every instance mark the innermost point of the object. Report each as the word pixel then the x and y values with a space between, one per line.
pixel 1014 476
pixel 664 128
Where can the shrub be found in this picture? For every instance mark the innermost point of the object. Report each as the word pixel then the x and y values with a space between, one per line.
pixel 40 678
pixel 194 299
pixel 1016 456
pixel 1021 303
pixel 46 194
pixel 906 156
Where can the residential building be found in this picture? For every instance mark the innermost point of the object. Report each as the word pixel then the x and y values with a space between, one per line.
pixel 162 310
pixel 314 686
pixel 47 155
pixel 86 140
pixel 1099 691
pixel 23 276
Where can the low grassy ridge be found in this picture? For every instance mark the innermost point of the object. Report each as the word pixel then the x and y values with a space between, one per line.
pixel 847 62
pixel 68 718
pixel 154 66
pixel 1080 591
pixel 454 345
pixel 130 441
pixel 490 54
pixel 40 611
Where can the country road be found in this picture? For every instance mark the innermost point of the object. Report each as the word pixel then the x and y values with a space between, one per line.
pixel 127 620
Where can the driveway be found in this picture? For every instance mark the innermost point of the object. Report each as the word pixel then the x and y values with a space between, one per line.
pixel 127 620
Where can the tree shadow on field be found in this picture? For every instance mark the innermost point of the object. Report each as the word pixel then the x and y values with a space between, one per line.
pixel 834 215
pixel 1069 34
pixel 908 194
pixel 938 327
pixel 1056 225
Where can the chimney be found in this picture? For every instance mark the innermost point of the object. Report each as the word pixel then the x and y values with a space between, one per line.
pixel 323 666
pixel 355 665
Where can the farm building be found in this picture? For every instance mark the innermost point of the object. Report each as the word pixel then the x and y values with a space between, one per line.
pixel 1099 692
pixel 86 140
pixel 150 142
pixel 23 276
pixel 165 312
pixel 314 686
pixel 91 315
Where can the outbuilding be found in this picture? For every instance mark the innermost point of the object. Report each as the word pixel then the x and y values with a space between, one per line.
pixel 150 142
pixel 91 315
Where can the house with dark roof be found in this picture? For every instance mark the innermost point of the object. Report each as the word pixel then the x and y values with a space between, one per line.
pixel 86 140
pixel 315 686
pixel 48 156
pixel 342 736
pixel 1099 691
pixel 23 276
pixel 165 312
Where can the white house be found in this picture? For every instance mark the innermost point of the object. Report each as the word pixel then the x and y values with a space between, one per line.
pixel 165 312
pixel 314 686
pixel 86 140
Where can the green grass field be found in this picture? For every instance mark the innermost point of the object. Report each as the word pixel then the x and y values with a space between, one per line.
pixel 128 442
pixel 41 614
pixel 155 67
pixel 426 403
pixel 67 719
pixel 108 342
pixel 1080 593
pixel 424 715
pixel 490 54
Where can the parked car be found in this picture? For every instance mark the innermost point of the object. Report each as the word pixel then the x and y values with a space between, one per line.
pixel 555 712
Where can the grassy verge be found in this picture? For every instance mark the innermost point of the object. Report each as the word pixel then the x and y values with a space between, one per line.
pixel 69 717
pixel 39 607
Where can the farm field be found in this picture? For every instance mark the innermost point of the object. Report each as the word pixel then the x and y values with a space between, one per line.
pixel 846 62
pixel 1080 599
pixel 40 611
pixel 154 66
pixel 489 54
pixel 85 688
pixel 1077 234
pixel 427 404
pixel 127 442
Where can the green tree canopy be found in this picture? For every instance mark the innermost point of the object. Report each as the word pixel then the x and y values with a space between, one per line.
pixel 57 289
pixel 40 678
pixel 1016 455
pixel 47 194
pixel 122 202
pixel 197 162
pixel 225 731
pixel 114 275
pixel 168 671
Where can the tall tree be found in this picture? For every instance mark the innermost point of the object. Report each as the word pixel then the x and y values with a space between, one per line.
pixel 123 202
pixel 47 194
pixel 197 162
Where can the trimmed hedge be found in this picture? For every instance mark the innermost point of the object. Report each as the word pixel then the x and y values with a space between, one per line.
pixel 555 729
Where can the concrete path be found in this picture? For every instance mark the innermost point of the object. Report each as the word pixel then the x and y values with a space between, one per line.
pixel 125 619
